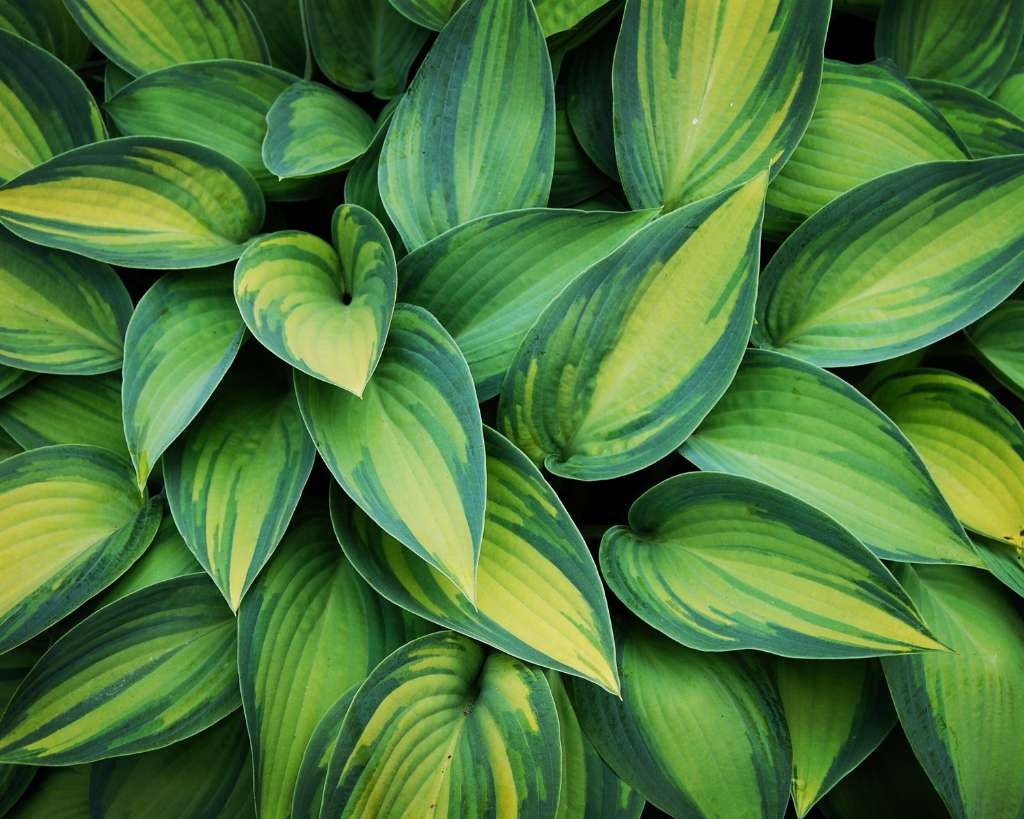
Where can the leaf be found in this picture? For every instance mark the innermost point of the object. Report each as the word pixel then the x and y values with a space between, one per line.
pixel 47 24
pixel 969 44
pixel 589 787
pixel 59 793
pixel 719 562
pixel 1010 92
pixel 489 279
pixel 151 669
pixel 154 34
pixel 971 444
pixel 709 95
pixel 838 713
pixel 432 14
pixel 282 25
pixel 12 380
pixel 48 108
pixel 324 310
pixel 589 100
pixel 576 178
pixel 8 446
pixel 807 432
pixel 71 522
pixel 188 101
pixel 475 134
pixel 182 338
pixel 986 127
pixel 311 778
pixel 483 726
pixel 539 597
pixel 234 478
pixel 964 712
pixel 554 15
pixel 206 777
pixel 62 313
pixel 144 202
pixel 574 397
pixel 998 340
pixel 309 631
pixel 363 45
pixel 14 665
pixel 313 130
pixel 361 186
pixel 895 264
pixel 410 453
pixel 57 409
pixel 741 764
pixel 842 147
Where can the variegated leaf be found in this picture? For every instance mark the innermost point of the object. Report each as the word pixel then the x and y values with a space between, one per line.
pixel 986 128
pixel 999 341
pixel 47 24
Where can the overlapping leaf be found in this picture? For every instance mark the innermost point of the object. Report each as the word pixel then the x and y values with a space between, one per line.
pixel 999 341
pixel 47 24
pixel 986 128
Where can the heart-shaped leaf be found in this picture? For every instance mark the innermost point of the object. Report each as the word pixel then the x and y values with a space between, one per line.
pixel 483 725
pixel 539 596
pixel 574 397
pixel 324 311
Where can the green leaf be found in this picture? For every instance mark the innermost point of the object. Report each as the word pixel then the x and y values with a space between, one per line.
pixel 1010 92
pixel 182 338
pixel 149 670
pixel 410 453
pixel 362 188
pixel 554 15
pixel 233 479
pixel 719 562
pixel 838 713
pixel 986 127
pixel 998 340
pixel 363 45
pixel 12 380
pixel 206 777
pixel 59 793
pixel 484 730
pixel 311 779
pixel 62 313
pixel 154 34
pixel 696 734
pixel 708 96
pixel 188 101
pixel 972 44
pixel 57 409
pixel 843 147
pixel 145 202
pixel 589 100
pixel 8 446
pixel 71 522
pixel 14 666
pixel 576 178
pixel 47 24
pixel 282 25
pixel 574 397
pixel 432 14
pixel 964 712
pixel 324 310
pixel 309 630
pixel 896 264
pixel 475 134
pixel 48 108
pixel 489 279
pixel 539 596
pixel 807 432
pixel 589 787
pixel 970 442
pixel 313 130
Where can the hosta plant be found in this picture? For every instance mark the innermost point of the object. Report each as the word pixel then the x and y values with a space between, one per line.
pixel 511 409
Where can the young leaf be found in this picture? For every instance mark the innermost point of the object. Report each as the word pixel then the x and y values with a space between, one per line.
pixel 539 597
pixel 964 711
pixel 146 202
pixel 487 281
pixel 483 726
pixel 62 313
pixel 576 178
pixel 234 478
pixel 308 631
pixel 475 134
pixel 48 108
pixel 154 34
pixel 972 44
pixel 998 340
pixel 741 764
pixel 326 311
pixel 151 669
pixel 574 397
pixel 71 522
pixel 807 432
pixel 589 100
pixel 896 264
pixel 708 95
pixel 183 336
pixel 838 713
pixel 410 453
